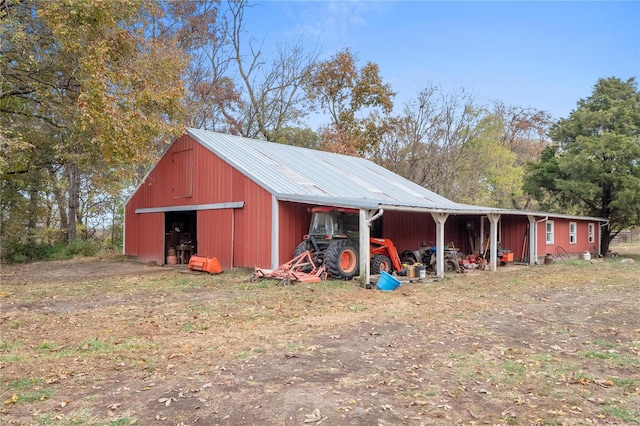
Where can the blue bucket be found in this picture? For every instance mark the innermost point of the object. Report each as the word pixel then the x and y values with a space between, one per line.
pixel 387 282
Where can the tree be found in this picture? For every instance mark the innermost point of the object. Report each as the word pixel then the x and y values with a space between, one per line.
pixel 432 144
pixel 464 151
pixel 593 166
pixel 343 91
pixel 84 90
pixel 524 133
pixel 268 95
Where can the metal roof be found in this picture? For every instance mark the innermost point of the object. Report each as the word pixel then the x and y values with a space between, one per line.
pixel 317 177
pixel 297 174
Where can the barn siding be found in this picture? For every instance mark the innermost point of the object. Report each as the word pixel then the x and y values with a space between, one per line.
pixel 252 246
pixel 215 235
pixel 294 224
pixel 144 236
pixel 512 235
pixel 214 181
pixel 561 244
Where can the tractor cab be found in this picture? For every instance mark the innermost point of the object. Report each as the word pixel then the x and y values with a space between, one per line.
pixel 332 223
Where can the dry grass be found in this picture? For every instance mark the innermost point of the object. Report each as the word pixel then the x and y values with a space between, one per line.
pixel 556 344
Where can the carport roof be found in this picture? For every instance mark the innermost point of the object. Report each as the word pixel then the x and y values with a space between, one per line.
pixel 297 174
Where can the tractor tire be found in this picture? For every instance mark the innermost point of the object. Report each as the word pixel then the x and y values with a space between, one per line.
pixel 379 263
pixel 451 265
pixel 341 260
pixel 407 260
pixel 301 248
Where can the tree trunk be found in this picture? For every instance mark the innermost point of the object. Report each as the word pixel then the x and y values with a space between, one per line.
pixel 74 199
pixel 34 201
pixel 60 201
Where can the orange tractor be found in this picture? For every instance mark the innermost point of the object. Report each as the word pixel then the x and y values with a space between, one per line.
pixel 333 242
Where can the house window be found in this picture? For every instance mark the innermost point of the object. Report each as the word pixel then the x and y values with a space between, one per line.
pixel 592 233
pixel 572 232
pixel 549 232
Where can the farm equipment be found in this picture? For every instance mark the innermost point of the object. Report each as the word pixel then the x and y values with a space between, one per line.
pixel 503 255
pixel 426 256
pixel 333 243
pixel 205 264
pixel 293 270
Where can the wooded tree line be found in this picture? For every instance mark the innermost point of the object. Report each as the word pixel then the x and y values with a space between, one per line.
pixel 91 93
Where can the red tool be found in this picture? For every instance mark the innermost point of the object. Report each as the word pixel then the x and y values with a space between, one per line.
pixel 293 271
pixel 205 264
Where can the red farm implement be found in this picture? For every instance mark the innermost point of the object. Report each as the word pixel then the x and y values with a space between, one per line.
pixel 300 268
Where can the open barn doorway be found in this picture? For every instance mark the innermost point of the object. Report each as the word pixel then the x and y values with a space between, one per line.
pixel 180 238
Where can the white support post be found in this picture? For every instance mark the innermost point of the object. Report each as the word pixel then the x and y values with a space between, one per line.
pixel 440 219
pixel 493 255
pixel 482 237
pixel 365 249
pixel 533 240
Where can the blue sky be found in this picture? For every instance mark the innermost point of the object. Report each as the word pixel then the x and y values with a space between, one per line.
pixel 545 55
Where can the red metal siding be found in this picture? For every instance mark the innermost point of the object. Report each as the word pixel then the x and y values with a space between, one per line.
pixel 294 224
pixel 512 235
pixel 561 244
pixel 182 170
pixel 215 235
pixel 144 236
pixel 252 245
pixel 407 229
pixel 214 181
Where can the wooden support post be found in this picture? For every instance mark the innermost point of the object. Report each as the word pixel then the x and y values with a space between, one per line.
pixel 493 255
pixel 533 240
pixel 440 219
pixel 365 249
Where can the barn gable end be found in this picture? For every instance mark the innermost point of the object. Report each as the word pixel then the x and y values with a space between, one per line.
pixel 220 204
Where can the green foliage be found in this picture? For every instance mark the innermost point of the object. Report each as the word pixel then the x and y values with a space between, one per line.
pixel 86 93
pixel 24 383
pixel 303 137
pixel 123 421
pixel 20 252
pixel 593 168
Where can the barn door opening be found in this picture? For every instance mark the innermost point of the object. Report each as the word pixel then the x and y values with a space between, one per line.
pixel 180 238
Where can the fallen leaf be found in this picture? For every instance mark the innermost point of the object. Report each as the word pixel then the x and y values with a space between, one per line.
pixel 12 400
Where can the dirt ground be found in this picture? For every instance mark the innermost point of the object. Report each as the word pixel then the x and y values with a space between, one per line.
pixel 117 343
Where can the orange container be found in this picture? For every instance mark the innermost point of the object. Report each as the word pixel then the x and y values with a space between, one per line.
pixel 507 257
pixel 205 264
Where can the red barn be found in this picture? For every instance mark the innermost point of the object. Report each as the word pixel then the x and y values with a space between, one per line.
pixel 246 202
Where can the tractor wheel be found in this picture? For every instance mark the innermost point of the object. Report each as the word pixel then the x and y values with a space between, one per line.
pixel 379 263
pixel 341 260
pixel 451 265
pixel 301 248
pixel 407 260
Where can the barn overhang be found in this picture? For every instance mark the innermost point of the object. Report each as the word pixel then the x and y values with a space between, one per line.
pixel 372 209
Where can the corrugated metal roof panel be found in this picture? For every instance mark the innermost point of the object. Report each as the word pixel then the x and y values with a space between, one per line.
pixel 295 173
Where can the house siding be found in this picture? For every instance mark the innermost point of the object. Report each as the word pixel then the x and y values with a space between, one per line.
pixel 561 244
